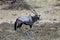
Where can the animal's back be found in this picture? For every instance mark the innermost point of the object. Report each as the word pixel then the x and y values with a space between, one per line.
pixel 25 19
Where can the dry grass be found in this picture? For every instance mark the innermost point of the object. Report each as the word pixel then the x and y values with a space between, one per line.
pixel 46 33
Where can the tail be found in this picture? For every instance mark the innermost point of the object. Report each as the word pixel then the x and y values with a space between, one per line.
pixel 15 25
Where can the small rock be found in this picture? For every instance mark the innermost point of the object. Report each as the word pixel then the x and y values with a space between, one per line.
pixel 14 14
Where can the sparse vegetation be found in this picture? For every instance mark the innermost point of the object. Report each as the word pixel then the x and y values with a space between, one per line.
pixel 48 28
pixel 7 33
pixel 16 4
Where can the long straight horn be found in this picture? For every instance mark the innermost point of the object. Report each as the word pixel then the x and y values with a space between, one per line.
pixel 33 11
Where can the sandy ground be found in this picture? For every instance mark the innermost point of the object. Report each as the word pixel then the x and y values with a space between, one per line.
pixel 48 28
pixel 47 32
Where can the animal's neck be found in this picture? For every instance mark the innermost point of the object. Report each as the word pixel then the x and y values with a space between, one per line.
pixel 34 19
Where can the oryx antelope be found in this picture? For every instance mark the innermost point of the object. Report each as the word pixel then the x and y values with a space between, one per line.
pixel 26 20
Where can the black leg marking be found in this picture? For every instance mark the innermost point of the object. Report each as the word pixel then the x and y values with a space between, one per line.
pixel 30 26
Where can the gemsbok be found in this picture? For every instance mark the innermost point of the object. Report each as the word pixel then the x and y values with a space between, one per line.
pixel 30 20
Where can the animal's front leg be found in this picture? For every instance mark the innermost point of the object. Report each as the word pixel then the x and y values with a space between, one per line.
pixel 30 27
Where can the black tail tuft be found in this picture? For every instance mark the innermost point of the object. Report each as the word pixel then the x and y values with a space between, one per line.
pixel 15 26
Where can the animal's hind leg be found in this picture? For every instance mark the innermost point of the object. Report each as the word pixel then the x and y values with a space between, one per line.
pixel 20 25
pixel 17 25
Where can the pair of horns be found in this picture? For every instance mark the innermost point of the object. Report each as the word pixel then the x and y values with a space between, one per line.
pixel 33 11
